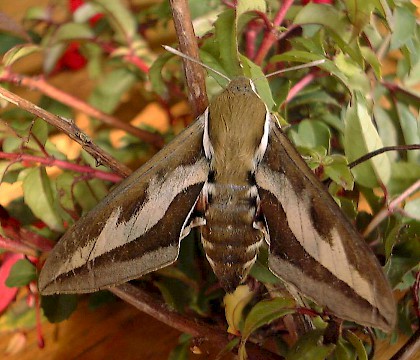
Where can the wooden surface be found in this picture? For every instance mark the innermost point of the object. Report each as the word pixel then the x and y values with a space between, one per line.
pixel 115 331
pixel 118 331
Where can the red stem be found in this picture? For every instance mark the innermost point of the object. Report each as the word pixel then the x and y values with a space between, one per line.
pixel 44 87
pixel 140 64
pixel 16 247
pixel 40 337
pixel 306 80
pixel 416 289
pixel 50 161
pixel 270 35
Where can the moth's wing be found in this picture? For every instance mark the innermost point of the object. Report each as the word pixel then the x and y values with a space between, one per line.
pixel 313 246
pixel 135 229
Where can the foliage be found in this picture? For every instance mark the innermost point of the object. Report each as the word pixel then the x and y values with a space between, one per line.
pixel 344 108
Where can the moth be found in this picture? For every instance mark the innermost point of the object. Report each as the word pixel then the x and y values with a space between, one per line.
pixel 234 174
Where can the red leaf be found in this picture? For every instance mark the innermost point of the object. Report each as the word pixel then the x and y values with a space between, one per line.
pixel 7 294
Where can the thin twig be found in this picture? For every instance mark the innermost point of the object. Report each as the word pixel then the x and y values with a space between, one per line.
pixel 416 291
pixel 68 127
pixel 391 208
pixel 396 89
pixel 382 150
pixel 51 161
pixel 40 84
pixel 194 73
pixel 196 327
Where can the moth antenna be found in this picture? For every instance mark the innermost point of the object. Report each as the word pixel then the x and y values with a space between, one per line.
pixel 297 67
pixel 179 53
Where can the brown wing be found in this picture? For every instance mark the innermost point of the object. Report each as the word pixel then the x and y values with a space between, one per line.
pixel 313 246
pixel 135 229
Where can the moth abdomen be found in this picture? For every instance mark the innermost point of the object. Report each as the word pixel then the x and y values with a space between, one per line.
pixel 229 238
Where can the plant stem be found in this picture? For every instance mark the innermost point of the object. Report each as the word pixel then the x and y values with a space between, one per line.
pixel 194 73
pixel 391 208
pixel 270 35
pixel 68 127
pixel 40 84
pixel 16 247
pixel 196 327
pixel 51 161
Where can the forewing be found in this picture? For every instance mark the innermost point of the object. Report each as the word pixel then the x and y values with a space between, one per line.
pixel 135 229
pixel 313 246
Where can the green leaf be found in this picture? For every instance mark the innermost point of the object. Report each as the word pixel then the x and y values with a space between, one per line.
pixel 334 21
pixel 155 73
pixel 403 175
pixel 244 6
pixel 361 138
pixel 121 19
pixel 405 257
pixel 64 186
pixel 21 274
pixel 39 197
pixel 312 134
pixel 358 345
pixel 412 208
pixel 228 348
pixel 387 129
pixel 18 52
pixel 73 31
pixel 357 77
pixel 209 55
pixel 9 172
pixel 100 298
pixel 85 11
pixel 52 54
pixel 234 305
pixel 18 316
pixel 38 13
pixel 108 93
pixel 392 239
pixel 58 307
pixel 40 131
pixel 410 127
pixel 359 12
pixel 339 172
pixel 225 31
pixel 372 59
pixel 89 193
pixel 182 350
pixel 305 57
pixel 265 312
pixel 261 272
pixel 342 351
pixel 310 347
pixel 403 28
pixel 263 88
pixel 176 294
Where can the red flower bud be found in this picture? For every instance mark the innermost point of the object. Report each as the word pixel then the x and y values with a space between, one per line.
pixel 72 59
pixel 75 4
